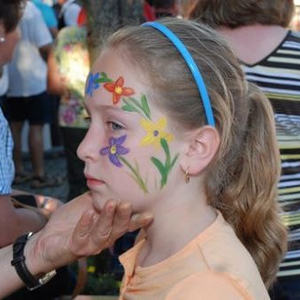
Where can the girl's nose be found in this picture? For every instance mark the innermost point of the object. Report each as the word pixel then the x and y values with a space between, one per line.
pixel 89 148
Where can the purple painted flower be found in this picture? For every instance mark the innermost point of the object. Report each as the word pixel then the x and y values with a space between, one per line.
pixel 115 149
pixel 92 83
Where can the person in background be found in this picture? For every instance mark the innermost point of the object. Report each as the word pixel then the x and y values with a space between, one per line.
pixel 49 16
pixel 165 8
pixel 51 20
pixel 148 11
pixel 269 54
pixel 13 222
pixel 27 99
pixel 68 12
pixel 68 67
pixel 3 85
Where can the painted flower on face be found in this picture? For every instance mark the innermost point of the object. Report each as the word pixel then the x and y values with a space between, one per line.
pixel 115 149
pixel 92 83
pixel 155 132
pixel 118 90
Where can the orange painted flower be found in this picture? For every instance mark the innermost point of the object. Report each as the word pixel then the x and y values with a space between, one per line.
pixel 118 90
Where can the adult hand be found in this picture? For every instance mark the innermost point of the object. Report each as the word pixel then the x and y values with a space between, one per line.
pixel 80 228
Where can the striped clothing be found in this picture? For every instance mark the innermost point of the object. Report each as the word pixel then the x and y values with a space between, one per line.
pixel 278 75
pixel 6 162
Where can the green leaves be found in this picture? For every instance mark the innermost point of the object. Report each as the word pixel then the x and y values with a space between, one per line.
pixel 164 169
pixel 140 106
pixel 103 78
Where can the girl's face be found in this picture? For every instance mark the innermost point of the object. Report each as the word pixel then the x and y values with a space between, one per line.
pixel 130 151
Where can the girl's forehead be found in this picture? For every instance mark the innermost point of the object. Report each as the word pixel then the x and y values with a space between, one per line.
pixel 115 65
pixel 112 62
pixel 113 75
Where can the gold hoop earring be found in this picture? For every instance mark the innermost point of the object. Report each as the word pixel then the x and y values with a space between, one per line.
pixel 187 176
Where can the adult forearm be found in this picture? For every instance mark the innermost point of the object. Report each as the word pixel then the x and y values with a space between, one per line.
pixel 14 222
pixel 9 280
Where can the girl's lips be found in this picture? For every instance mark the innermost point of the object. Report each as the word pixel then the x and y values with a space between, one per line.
pixel 93 182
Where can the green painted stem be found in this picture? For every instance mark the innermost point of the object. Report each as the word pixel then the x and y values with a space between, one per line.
pixel 164 169
pixel 137 176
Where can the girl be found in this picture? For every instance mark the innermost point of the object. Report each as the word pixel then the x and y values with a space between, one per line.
pixel 198 152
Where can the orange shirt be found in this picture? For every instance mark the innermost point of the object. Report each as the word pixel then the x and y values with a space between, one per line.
pixel 213 266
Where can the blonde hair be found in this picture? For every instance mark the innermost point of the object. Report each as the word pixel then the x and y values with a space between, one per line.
pixel 242 179
pixel 235 13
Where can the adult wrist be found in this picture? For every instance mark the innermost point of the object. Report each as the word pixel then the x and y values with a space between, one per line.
pixel 24 267
pixel 34 258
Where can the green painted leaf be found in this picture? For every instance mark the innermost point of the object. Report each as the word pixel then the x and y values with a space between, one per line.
pixel 105 77
pixel 162 170
pixel 136 106
pixel 103 80
pixel 173 162
pixel 135 174
pixel 159 165
pixel 129 108
pixel 136 103
pixel 165 146
pixel 145 106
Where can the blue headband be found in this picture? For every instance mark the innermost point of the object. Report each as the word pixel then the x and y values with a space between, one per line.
pixel 192 66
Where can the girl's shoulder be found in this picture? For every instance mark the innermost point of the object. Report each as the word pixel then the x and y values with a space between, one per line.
pixel 226 260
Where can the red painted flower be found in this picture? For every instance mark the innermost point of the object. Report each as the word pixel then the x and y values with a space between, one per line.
pixel 117 89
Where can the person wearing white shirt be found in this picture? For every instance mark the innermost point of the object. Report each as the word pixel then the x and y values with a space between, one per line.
pixel 69 12
pixel 27 98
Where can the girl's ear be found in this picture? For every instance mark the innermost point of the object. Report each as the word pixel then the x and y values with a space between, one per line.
pixel 201 147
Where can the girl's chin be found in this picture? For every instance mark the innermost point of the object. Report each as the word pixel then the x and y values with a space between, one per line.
pixel 98 198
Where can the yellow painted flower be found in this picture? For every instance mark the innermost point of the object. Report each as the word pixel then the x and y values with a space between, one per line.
pixel 155 132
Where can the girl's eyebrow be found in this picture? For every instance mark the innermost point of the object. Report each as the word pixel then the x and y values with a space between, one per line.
pixel 103 107
pixel 108 108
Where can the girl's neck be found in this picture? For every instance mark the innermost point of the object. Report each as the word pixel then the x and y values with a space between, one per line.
pixel 252 43
pixel 178 221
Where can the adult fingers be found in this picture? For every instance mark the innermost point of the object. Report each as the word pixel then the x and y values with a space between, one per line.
pixel 121 221
pixel 103 226
pixel 81 234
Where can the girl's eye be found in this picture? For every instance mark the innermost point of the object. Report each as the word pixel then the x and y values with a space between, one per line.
pixel 115 126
